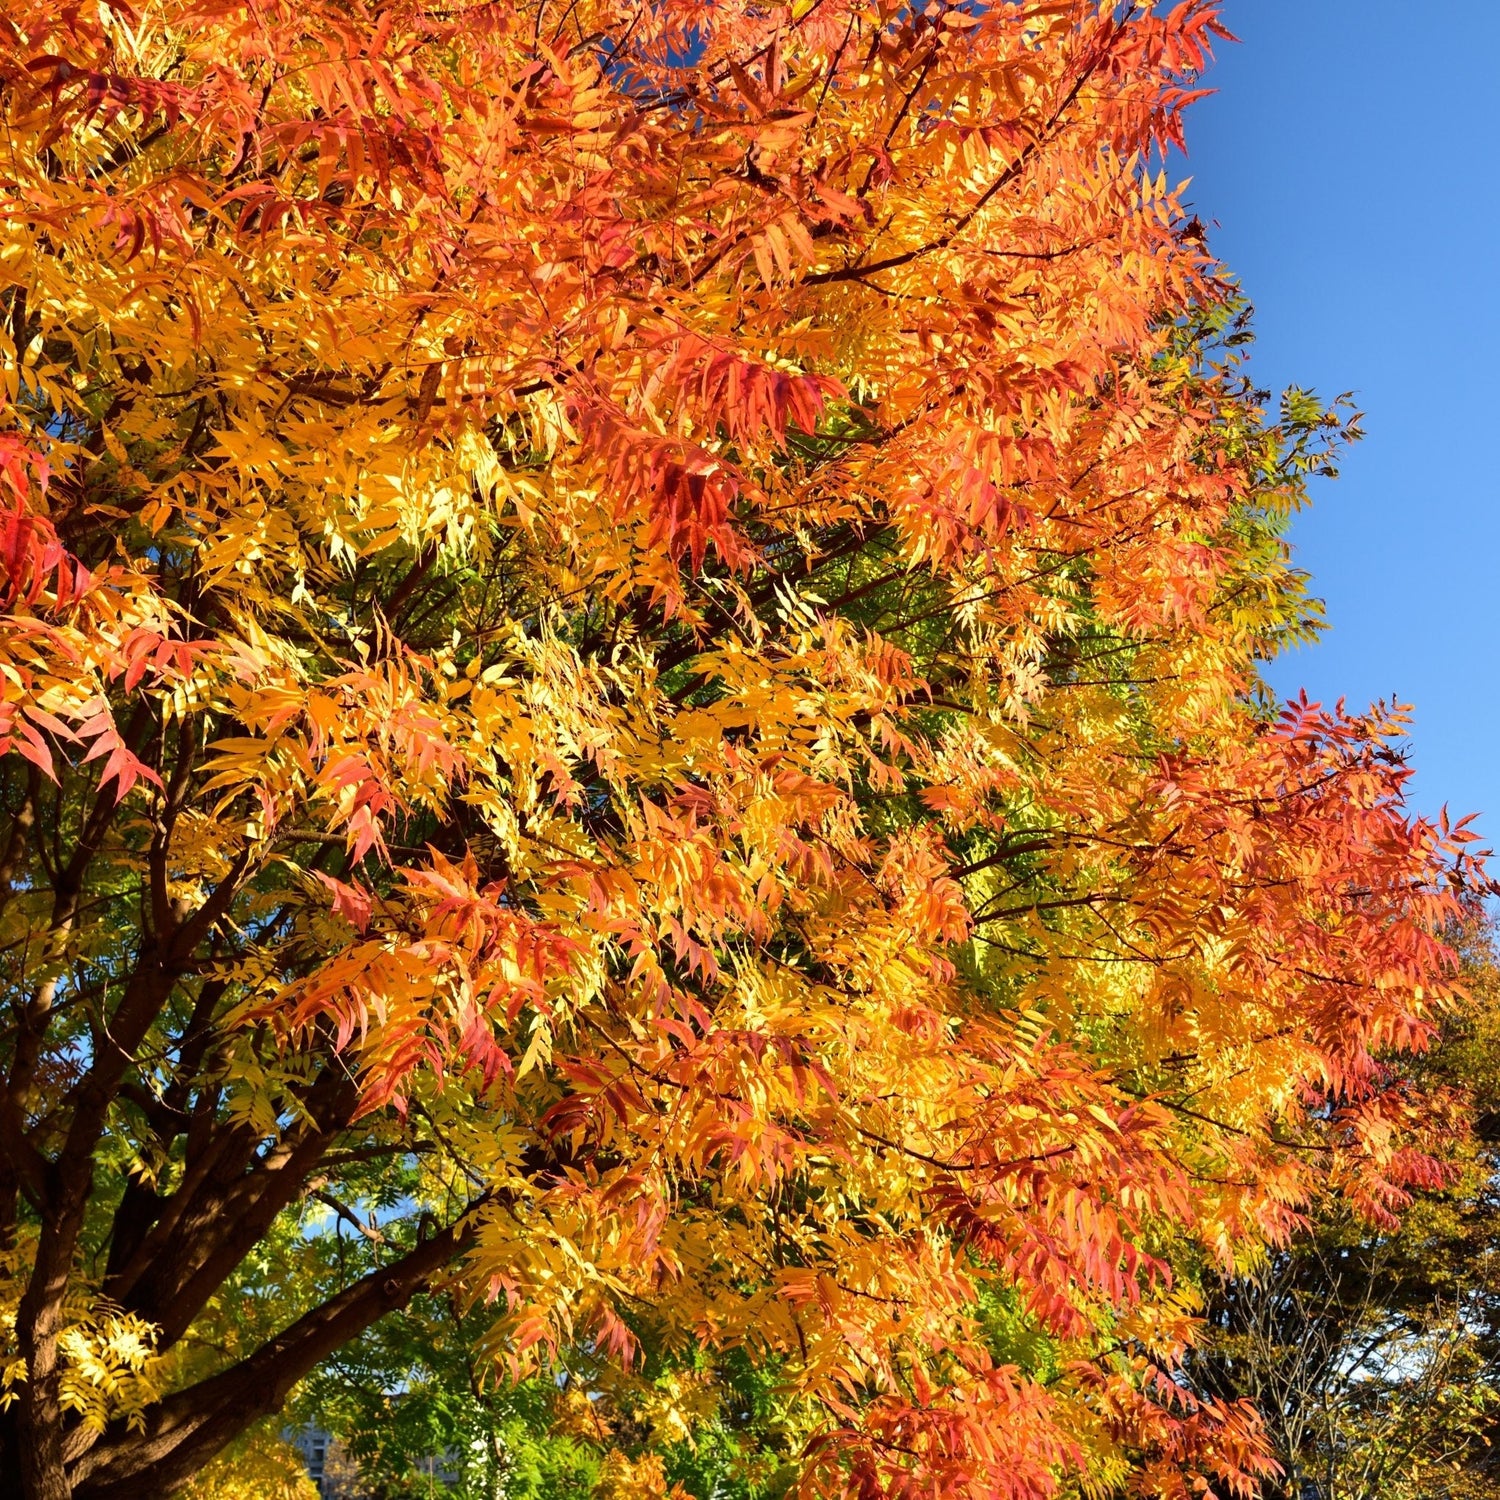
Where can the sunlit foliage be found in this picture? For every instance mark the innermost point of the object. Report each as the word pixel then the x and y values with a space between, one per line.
pixel 629 678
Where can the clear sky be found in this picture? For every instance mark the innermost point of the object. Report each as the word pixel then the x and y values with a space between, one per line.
pixel 1351 159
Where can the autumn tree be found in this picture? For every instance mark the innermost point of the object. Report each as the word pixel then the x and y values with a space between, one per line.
pixel 629 694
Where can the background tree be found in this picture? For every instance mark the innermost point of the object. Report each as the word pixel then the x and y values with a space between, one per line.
pixel 629 685
pixel 1374 1354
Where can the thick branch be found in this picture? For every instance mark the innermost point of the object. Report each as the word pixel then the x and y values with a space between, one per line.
pixel 190 1427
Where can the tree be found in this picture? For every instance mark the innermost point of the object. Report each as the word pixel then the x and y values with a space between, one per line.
pixel 1374 1353
pixel 630 694
pixel 1362 1400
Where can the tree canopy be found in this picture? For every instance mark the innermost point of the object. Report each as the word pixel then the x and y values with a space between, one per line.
pixel 630 705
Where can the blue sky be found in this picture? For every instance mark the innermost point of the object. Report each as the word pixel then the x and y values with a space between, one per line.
pixel 1351 161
